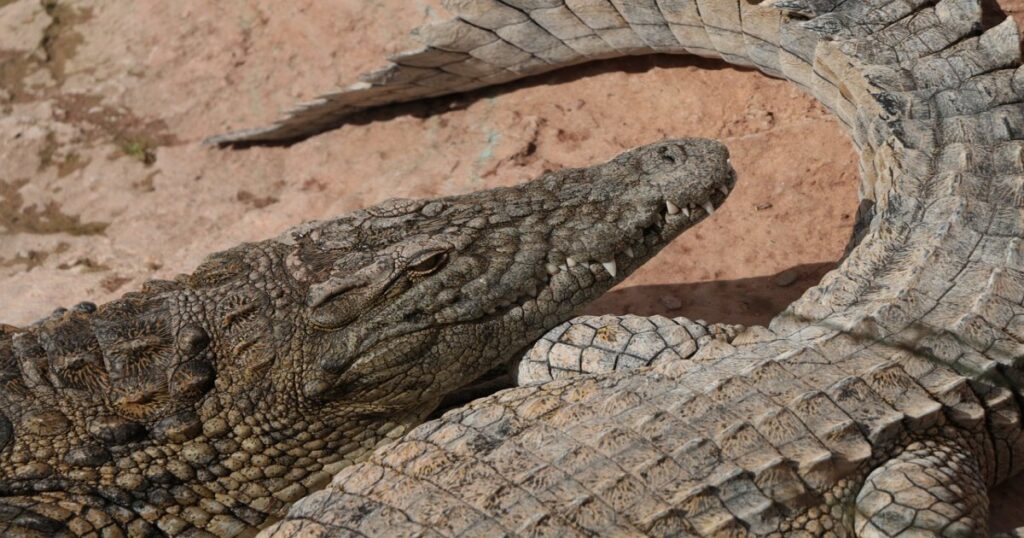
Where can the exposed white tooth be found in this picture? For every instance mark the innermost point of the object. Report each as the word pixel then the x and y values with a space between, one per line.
pixel 571 262
pixel 686 212
pixel 673 209
pixel 724 189
pixel 630 253
pixel 709 208
pixel 563 267
pixel 610 267
pixel 552 269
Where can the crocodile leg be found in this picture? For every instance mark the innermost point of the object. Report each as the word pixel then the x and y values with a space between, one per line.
pixel 602 344
pixel 933 488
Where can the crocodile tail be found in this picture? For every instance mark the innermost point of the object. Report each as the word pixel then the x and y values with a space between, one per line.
pixel 488 42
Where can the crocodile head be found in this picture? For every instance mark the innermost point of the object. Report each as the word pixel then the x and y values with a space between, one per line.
pixel 279 363
pixel 412 298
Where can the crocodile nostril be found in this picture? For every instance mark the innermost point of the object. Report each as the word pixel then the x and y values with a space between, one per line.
pixel 667 156
pixel 672 154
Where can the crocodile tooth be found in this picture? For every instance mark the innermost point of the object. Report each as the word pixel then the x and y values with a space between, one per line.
pixel 629 252
pixel 610 267
pixel 686 212
pixel 709 208
pixel 552 269
pixel 724 189
pixel 571 262
pixel 673 209
pixel 563 267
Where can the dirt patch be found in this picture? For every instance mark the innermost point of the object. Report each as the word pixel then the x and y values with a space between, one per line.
pixel 51 154
pixel 16 218
pixel 134 136
pixel 253 201
pixel 147 184
pixel 61 39
pixel 113 283
pixel 56 47
pixel 32 258
pixel 83 265
pixel 15 68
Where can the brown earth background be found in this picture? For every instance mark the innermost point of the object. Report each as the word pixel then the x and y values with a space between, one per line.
pixel 103 183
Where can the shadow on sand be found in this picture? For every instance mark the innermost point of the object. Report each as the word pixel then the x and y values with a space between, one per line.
pixel 747 301
pixel 423 108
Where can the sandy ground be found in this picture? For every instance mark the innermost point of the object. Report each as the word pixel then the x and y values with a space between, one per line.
pixel 103 184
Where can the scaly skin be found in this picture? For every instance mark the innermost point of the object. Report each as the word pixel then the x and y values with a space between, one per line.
pixel 885 402
pixel 602 344
pixel 206 404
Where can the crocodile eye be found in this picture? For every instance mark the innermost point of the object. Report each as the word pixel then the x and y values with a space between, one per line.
pixel 428 264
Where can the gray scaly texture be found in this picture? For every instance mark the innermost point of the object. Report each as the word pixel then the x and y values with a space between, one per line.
pixel 886 401
pixel 602 344
pixel 205 405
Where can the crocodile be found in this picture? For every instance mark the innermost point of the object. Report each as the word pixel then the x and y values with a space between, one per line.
pixel 205 404
pixel 886 401
pixel 602 344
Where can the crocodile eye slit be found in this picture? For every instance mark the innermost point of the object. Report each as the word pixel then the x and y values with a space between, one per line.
pixel 330 290
pixel 429 264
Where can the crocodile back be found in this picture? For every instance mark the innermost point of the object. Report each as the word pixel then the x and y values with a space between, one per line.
pixel 706 447
pixel 82 383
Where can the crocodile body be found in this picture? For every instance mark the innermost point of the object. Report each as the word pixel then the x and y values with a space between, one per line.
pixel 205 405
pixel 884 402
